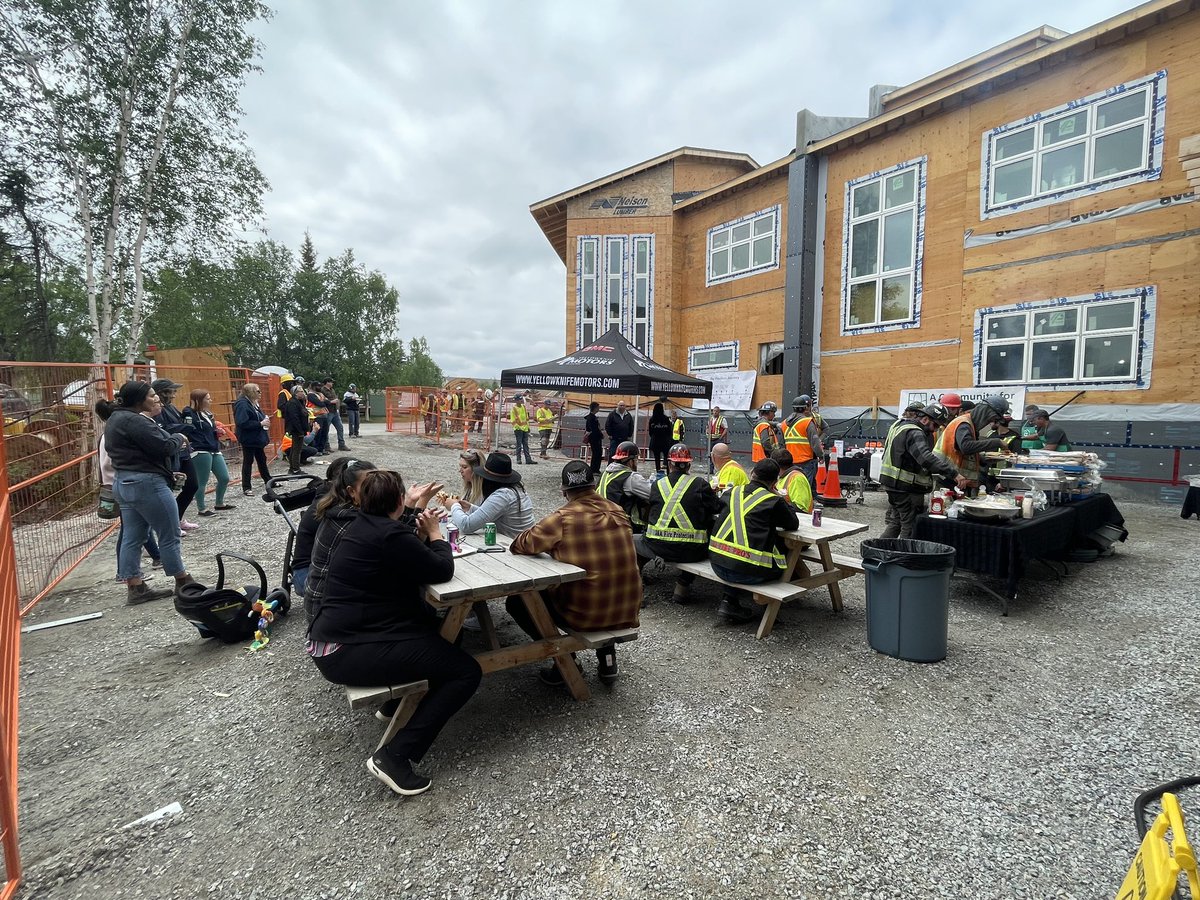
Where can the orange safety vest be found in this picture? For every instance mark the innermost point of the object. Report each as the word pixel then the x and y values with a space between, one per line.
pixel 757 451
pixel 968 466
pixel 716 426
pixel 795 438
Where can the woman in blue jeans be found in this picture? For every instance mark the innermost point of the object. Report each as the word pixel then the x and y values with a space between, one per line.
pixel 142 455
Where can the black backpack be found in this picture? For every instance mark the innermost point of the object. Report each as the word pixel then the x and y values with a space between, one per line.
pixel 225 613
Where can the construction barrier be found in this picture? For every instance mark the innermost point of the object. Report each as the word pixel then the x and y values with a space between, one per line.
pixel 10 658
pixel 444 418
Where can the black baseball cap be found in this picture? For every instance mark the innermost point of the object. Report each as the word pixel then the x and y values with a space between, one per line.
pixel 577 474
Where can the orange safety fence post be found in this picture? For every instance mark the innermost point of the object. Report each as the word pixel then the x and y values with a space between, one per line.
pixel 10 655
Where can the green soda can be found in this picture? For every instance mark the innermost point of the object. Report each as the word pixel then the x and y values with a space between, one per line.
pixel 489 534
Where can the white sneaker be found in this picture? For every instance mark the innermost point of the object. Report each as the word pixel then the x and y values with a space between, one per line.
pixel 185 525
pixel 471 623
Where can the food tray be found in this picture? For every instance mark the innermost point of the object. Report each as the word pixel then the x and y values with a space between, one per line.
pixel 986 509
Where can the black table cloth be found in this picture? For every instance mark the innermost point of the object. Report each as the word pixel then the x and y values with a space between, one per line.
pixel 1191 503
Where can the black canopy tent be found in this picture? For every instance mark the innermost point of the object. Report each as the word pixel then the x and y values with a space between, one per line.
pixel 609 365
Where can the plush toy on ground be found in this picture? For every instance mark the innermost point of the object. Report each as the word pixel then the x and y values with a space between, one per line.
pixel 265 610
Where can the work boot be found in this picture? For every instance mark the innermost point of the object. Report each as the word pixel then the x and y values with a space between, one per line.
pixel 731 609
pixel 139 593
pixel 606 664
pixel 682 594
pixel 343 448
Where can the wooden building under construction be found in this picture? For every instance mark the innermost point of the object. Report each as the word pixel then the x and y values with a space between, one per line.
pixel 1022 222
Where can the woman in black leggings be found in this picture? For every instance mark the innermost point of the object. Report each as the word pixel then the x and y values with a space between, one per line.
pixel 372 625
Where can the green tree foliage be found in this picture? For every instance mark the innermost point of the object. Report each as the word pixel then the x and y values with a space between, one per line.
pixel 316 319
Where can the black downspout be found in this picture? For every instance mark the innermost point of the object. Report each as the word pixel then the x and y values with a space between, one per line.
pixel 800 288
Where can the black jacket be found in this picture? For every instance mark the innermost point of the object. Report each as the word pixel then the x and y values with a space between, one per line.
pixel 910 449
pixel 136 443
pixel 204 431
pixel 661 434
pixel 762 526
pixel 375 587
pixel 591 429
pixel 619 426
pixel 325 543
pixel 172 422
pixel 700 503
pixel 306 531
pixel 295 417
pixel 247 420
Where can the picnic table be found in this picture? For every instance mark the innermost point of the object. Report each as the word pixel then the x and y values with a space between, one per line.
pixel 810 563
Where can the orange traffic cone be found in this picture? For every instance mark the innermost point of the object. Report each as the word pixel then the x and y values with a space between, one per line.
pixel 821 475
pixel 831 491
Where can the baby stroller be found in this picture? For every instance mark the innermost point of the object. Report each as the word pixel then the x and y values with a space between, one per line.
pixel 288 493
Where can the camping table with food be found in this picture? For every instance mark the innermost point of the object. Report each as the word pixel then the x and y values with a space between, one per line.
pixel 481 576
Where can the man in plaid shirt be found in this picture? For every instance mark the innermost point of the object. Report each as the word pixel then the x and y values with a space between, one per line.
pixel 594 534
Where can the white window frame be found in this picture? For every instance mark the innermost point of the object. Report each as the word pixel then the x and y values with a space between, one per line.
pixel 615 286
pixel 1142 332
pixel 920 167
pixel 725 231
pixel 1149 169
pixel 733 347
pixel 581 323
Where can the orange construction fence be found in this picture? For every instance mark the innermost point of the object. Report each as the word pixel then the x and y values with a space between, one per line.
pixel 444 417
pixel 48 522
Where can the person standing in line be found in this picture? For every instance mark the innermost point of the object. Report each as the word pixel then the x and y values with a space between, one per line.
pixel 478 406
pixel 429 411
pixel 592 533
pixel 171 420
pixel 142 454
pixel 961 441
pixel 545 423
pixel 518 415
pixel 678 426
pixel 909 467
pixel 594 437
pixel 330 404
pixel 351 400
pixel 745 547
pixel 206 452
pixel 1053 436
pixel 767 435
pixel 658 431
pixel 802 437
pixel 253 428
pixel 718 433
pixel 619 427
pixel 319 414
pixel 295 423
pixel 104 410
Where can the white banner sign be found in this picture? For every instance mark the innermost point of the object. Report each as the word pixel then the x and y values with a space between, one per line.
pixel 731 390
pixel 925 396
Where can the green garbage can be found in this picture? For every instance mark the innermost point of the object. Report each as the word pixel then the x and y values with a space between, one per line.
pixel 908 597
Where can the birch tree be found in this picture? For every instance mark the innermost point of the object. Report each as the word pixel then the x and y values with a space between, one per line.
pixel 131 108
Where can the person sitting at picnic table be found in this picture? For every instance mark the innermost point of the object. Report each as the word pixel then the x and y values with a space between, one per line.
pixel 332 513
pixel 472 484
pixel 793 483
pixel 682 508
pixel 592 533
pixel 505 501
pixel 729 471
pixel 623 485
pixel 745 547
pixel 340 490
pixel 373 627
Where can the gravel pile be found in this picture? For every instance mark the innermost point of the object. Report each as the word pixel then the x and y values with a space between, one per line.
pixel 718 766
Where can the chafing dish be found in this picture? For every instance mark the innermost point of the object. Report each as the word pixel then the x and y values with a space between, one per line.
pixel 988 509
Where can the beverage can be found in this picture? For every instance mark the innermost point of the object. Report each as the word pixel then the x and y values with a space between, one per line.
pixel 816 518
pixel 452 536
pixel 489 534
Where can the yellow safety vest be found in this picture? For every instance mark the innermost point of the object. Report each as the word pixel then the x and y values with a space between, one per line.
pixel 519 416
pixel 797 489
pixel 890 473
pixel 617 480
pixel 673 523
pixel 732 474
pixel 545 419
pixel 731 538
pixel 677 430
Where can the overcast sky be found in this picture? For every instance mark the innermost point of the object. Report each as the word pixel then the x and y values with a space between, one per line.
pixel 418 134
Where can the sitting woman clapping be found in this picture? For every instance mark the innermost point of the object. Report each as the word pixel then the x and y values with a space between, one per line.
pixel 373 625
pixel 504 500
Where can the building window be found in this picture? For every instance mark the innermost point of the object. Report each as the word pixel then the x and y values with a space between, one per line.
pixel 770 358
pixel 882 246
pixel 1097 143
pixel 615 288
pixel 586 266
pixel 745 246
pixel 713 356
pixel 1101 340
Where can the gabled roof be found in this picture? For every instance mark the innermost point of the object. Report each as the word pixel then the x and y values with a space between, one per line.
pixel 551 213
pixel 779 167
pixel 957 93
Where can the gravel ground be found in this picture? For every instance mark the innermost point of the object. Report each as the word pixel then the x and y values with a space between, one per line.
pixel 718 766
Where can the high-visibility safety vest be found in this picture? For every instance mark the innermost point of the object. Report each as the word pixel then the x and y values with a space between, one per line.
pixel 519 416
pixel 795 438
pixel 673 523
pixel 731 541
pixel 766 439
pixel 892 473
pixel 794 485
pixel 612 488
pixel 967 465
pixel 545 419
pixel 716 426
pixel 731 475
pixel 677 430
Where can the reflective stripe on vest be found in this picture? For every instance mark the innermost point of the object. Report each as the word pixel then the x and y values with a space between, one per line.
pixel 610 478
pixel 716 426
pixel 968 465
pixel 677 430
pixel 889 469
pixel 795 438
pixel 673 513
pixel 731 540
pixel 519 416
